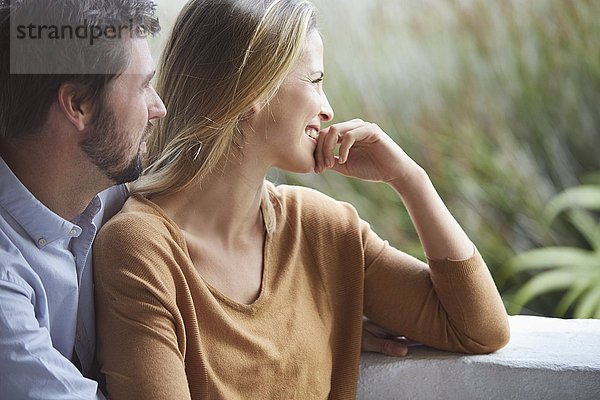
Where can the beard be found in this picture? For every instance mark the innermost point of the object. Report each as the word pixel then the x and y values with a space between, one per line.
pixel 107 147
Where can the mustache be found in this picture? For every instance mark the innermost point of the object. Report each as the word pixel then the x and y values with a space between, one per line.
pixel 148 130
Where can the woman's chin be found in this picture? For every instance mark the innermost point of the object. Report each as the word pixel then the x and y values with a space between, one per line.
pixel 304 166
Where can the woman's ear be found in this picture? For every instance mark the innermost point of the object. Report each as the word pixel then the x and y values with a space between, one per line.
pixel 79 114
pixel 254 110
pixel 248 114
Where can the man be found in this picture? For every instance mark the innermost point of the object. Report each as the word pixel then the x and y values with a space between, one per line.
pixel 75 107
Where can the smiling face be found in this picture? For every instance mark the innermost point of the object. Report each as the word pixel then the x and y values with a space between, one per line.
pixel 295 113
pixel 116 138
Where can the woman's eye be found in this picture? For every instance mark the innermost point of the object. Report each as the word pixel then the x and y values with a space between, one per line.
pixel 318 80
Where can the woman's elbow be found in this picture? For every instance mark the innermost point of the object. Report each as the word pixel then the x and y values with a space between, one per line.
pixel 501 337
pixel 496 337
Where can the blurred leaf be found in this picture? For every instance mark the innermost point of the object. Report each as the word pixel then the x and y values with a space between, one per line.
pixel 589 301
pixel 579 267
pixel 592 178
pixel 571 296
pixel 586 225
pixel 584 196
pixel 544 282
pixel 550 257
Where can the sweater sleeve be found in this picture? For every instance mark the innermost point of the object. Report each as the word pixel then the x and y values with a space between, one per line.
pixel 139 350
pixel 449 304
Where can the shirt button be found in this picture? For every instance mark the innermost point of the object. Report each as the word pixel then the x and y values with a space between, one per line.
pixel 72 232
pixel 42 242
pixel 78 336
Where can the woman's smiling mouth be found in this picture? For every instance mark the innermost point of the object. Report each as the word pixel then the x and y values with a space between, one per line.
pixel 312 132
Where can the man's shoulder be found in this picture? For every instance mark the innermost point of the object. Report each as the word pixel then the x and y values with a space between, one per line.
pixel 111 200
pixel 14 268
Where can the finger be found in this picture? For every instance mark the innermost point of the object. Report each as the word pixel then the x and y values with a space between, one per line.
pixel 331 137
pixel 367 133
pixel 378 330
pixel 319 162
pixel 347 141
pixel 340 168
pixel 348 125
pixel 329 142
pixel 388 347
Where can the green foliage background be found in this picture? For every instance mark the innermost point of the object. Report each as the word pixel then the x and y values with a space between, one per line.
pixel 498 100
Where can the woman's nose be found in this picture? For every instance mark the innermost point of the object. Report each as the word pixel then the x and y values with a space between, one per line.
pixel 326 113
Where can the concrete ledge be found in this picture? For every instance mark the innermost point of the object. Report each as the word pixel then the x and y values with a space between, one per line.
pixel 546 358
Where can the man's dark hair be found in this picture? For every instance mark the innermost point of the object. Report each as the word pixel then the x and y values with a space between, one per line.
pixel 26 97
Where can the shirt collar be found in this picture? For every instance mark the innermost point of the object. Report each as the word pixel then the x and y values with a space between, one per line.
pixel 90 212
pixel 41 224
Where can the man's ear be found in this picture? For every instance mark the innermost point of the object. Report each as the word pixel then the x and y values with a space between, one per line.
pixel 79 114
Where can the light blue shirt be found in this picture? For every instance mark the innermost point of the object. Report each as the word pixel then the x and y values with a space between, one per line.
pixel 46 294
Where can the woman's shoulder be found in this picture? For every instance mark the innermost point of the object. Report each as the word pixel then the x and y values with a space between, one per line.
pixel 294 194
pixel 139 220
pixel 310 205
pixel 137 249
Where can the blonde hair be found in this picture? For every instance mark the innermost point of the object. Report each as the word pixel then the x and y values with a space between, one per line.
pixel 221 58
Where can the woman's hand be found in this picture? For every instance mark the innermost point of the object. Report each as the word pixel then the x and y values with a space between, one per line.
pixel 380 340
pixel 366 152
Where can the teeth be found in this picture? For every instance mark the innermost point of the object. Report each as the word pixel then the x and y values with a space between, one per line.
pixel 312 132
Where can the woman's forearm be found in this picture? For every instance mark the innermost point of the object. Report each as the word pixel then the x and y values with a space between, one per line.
pixel 440 234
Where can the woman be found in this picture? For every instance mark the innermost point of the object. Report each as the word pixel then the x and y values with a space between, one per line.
pixel 213 283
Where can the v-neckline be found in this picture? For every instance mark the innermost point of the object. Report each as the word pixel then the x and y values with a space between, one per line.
pixel 264 284
pixel 217 294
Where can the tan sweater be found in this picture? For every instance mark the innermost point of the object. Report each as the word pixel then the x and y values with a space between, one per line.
pixel 165 333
